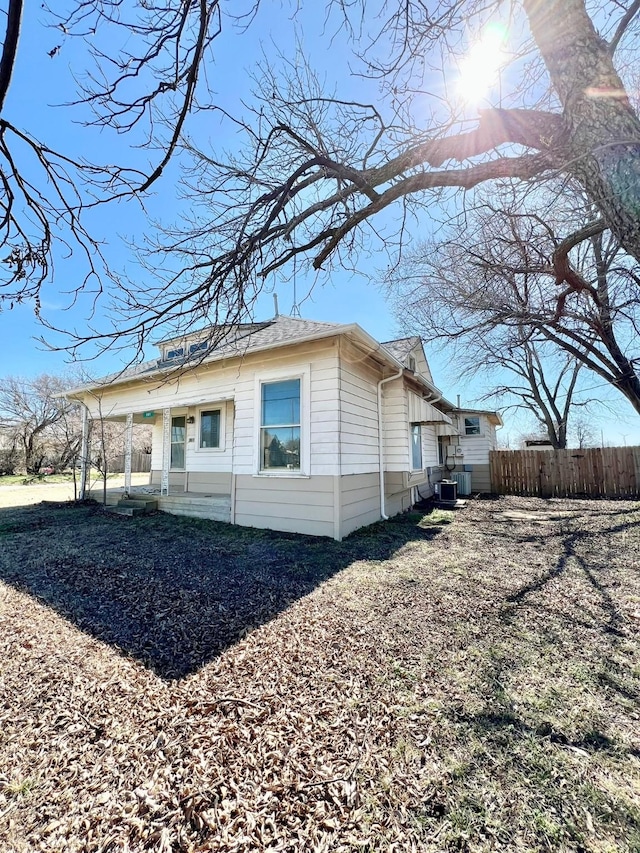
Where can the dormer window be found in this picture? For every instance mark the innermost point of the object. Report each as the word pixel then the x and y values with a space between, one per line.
pixel 175 353
pixel 198 347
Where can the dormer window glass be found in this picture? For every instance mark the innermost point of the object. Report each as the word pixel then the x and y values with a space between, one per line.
pixel 175 353
pixel 198 347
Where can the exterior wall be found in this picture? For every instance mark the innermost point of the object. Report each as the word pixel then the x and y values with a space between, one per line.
pixel 397 493
pixel 211 482
pixel 476 450
pixel 359 501
pixel 337 490
pixel 292 505
pixel 429 446
pixel 422 366
pixel 395 409
pixel 358 412
pixel 480 476
pixel 235 382
pixel 476 447
pixel 177 480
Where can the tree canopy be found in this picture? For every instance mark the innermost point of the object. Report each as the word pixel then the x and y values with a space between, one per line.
pixel 506 290
pixel 316 165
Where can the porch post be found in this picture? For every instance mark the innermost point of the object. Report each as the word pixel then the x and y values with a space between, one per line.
pixel 128 442
pixel 84 454
pixel 166 451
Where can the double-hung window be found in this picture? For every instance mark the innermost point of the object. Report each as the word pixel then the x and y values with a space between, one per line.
pixel 280 425
pixel 416 447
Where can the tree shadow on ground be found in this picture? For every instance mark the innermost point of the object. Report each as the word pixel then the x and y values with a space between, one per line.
pixel 581 554
pixel 174 592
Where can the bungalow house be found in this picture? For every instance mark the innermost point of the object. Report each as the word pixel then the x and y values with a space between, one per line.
pixel 291 425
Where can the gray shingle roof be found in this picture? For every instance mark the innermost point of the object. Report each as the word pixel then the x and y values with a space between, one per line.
pixel 237 341
pixel 401 347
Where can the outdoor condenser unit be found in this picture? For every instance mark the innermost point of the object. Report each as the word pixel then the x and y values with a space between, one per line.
pixel 463 481
pixel 448 490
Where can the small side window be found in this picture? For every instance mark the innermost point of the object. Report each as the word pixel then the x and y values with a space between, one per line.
pixel 472 426
pixel 416 447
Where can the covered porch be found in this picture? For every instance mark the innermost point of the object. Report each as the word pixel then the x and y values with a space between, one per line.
pixel 172 489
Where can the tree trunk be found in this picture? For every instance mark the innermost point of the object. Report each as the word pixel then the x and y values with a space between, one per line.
pixel 604 130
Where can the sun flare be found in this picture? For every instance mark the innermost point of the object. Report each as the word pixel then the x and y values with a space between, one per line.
pixel 479 69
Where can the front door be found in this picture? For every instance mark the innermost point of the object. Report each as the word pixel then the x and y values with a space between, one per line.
pixel 178 438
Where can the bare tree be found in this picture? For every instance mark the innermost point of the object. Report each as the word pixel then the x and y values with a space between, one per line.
pixel 541 384
pixel 503 285
pixel 30 412
pixel 584 432
pixel 143 76
pixel 317 168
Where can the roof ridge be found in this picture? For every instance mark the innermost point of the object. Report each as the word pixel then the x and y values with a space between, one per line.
pixel 307 320
pixel 398 340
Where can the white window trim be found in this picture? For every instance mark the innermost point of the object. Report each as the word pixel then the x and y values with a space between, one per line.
pixel 466 434
pixel 303 373
pixel 211 407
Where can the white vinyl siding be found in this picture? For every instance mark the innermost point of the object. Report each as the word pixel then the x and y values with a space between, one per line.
pixel 360 501
pixel 289 504
pixel 357 443
pixel 475 448
pixel 395 407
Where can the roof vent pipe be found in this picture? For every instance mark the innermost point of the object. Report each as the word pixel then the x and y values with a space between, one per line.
pixel 275 305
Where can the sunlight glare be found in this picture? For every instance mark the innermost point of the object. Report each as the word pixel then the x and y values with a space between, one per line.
pixel 479 68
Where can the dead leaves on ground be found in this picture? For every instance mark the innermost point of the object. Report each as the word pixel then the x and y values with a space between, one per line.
pixel 471 691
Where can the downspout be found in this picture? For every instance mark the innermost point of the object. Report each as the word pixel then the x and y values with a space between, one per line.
pixel 381 439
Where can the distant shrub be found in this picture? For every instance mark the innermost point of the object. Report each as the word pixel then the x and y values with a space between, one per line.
pixel 8 462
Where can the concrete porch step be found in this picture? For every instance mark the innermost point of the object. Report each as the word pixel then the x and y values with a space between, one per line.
pixel 147 504
pixel 125 510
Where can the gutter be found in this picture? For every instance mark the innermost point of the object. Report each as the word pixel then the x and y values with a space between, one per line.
pixel 381 439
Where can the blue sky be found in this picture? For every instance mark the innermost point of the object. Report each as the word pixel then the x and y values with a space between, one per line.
pixel 40 82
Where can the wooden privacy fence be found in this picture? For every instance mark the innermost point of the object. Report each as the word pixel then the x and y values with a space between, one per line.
pixel 595 471
pixel 139 462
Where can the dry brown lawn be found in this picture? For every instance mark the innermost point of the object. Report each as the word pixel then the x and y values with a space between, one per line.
pixel 430 684
pixel 32 491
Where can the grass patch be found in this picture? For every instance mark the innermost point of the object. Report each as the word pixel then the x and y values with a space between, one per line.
pixel 436 518
pixel 19 787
